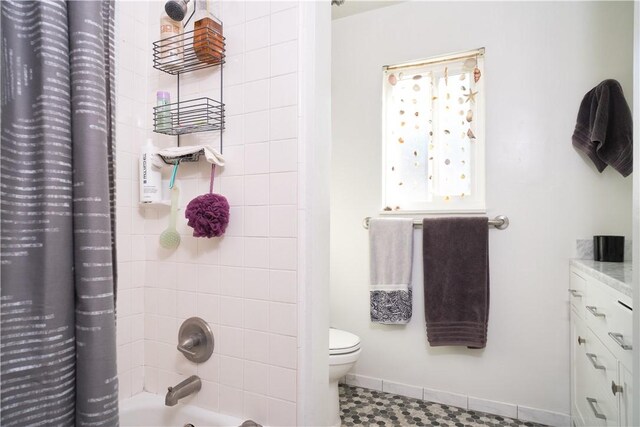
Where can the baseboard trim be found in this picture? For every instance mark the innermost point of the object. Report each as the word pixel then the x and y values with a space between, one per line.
pixel 364 382
pixel 505 409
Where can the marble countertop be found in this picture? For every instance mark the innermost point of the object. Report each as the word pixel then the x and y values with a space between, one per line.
pixel 615 274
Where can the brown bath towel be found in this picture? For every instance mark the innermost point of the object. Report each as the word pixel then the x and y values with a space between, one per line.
pixel 604 128
pixel 456 280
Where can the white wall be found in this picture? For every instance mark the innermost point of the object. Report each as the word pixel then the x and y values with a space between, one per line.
pixel 541 58
pixel 245 284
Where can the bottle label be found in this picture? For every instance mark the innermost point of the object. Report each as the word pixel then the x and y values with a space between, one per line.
pixel 169 28
pixel 144 168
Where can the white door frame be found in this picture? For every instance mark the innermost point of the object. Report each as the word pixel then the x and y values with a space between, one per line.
pixel 314 63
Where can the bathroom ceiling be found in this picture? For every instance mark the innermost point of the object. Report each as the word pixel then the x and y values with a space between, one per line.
pixel 352 7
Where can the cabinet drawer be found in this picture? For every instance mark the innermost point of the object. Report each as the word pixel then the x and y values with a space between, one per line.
pixel 600 369
pixel 620 333
pixel 577 290
pixel 610 317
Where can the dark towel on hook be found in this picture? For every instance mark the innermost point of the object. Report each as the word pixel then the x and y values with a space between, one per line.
pixel 455 252
pixel 604 128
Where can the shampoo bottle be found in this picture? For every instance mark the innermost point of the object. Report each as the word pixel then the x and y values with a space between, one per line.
pixel 171 43
pixel 150 175
pixel 208 42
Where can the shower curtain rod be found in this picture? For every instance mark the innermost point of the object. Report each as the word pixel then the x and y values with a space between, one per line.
pixel 500 222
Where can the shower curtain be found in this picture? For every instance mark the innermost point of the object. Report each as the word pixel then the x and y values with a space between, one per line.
pixel 57 298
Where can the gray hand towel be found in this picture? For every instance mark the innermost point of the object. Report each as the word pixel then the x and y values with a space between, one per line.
pixel 604 128
pixel 391 257
pixel 456 280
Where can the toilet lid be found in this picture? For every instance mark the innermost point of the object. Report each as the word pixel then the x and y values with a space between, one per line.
pixel 342 342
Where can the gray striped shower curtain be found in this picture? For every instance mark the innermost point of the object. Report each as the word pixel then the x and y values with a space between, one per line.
pixel 57 298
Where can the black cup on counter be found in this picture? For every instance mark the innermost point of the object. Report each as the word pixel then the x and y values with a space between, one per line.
pixel 608 248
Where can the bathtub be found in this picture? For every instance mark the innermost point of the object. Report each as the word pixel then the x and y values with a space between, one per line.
pixel 149 410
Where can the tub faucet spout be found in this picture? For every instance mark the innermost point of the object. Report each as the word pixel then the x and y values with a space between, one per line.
pixel 185 388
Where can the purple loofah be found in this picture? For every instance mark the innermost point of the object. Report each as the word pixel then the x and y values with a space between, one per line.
pixel 208 215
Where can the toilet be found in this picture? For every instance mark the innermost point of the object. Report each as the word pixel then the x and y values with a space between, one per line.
pixel 344 351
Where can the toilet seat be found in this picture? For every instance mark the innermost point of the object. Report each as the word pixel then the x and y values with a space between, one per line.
pixel 342 342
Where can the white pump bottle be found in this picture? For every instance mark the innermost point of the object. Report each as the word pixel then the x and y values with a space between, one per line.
pixel 150 175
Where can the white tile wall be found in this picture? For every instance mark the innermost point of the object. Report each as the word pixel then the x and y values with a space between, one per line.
pixel 243 284
pixel 131 129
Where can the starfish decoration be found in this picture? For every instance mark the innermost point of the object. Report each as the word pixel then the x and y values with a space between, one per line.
pixel 471 96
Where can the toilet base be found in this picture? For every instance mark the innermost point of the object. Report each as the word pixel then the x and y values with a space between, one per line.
pixel 339 365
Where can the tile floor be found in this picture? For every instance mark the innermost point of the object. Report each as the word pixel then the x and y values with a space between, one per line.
pixel 360 406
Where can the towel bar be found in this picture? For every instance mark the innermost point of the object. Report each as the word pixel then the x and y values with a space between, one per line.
pixel 500 222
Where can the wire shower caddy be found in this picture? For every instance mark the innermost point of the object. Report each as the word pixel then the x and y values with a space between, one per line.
pixel 193 50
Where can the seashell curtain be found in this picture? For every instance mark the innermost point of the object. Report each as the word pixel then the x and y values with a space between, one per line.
pixel 432 129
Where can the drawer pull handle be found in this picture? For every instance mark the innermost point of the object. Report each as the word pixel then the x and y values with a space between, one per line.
pixel 581 340
pixel 592 403
pixel 594 361
pixel 619 339
pixel 575 293
pixel 615 388
pixel 625 305
pixel 594 310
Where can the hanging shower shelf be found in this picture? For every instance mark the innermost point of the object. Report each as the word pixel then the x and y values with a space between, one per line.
pixel 196 50
pixel 193 50
pixel 190 116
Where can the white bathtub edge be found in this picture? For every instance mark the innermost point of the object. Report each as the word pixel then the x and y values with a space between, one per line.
pixel 153 402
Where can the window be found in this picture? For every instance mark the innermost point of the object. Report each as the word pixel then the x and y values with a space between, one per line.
pixel 433 135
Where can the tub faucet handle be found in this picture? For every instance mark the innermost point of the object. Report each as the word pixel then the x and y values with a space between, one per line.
pixel 195 340
pixel 186 351
pixel 191 342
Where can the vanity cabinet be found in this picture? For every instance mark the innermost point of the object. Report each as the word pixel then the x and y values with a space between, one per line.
pixel 601 349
